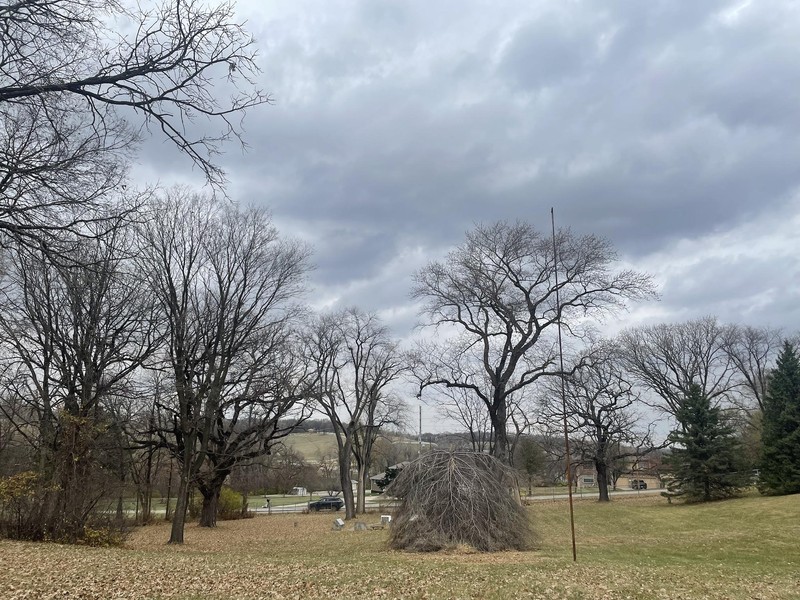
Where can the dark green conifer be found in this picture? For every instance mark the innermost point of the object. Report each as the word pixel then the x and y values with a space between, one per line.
pixel 706 458
pixel 780 437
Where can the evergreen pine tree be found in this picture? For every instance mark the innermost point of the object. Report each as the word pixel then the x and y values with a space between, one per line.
pixel 706 459
pixel 780 437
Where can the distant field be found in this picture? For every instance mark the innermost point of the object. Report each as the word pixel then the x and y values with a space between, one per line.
pixel 636 548
pixel 315 446
pixel 312 446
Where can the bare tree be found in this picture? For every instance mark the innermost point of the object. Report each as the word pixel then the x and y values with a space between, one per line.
pixel 469 411
pixel 753 351
pixel 257 408
pixel 355 360
pixel 328 467
pixel 54 186
pixel 392 448
pixel 669 358
pixel 529 459
pixel 384 411
pixel 287 468
pixel 246 479
pixel 139 419
pixel 498 293
pixel 82 81
pixel 601 414
pixel 73 337
pixel 224 279
pixel 6 434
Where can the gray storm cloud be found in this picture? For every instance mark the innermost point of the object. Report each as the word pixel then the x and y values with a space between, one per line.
pixel 669 128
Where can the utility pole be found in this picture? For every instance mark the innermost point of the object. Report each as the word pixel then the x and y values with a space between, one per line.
pixel 419 449
pixel 563 393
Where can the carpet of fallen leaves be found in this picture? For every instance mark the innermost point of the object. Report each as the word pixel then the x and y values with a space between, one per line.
pixel 300 556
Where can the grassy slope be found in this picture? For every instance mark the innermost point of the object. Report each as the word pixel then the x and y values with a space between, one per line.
pixel 632 548
pixel 312 446
pixel 315 446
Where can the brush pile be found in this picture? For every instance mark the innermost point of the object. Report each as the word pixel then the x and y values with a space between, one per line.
pixel 450 499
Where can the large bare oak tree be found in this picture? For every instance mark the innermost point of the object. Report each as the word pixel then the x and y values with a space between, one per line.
pixel 493 300
pixel 225 281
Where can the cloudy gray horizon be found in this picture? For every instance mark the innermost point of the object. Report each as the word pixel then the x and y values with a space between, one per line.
pixel 667 127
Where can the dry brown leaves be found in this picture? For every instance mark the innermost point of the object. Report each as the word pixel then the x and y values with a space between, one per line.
pixel 299 556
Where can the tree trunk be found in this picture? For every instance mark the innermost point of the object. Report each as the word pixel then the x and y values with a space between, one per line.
pixel 500 446
pixel 361 500
pixel 120 509
pixel 73 502
pixel 344 480
pixel 602 480
pixel 208 514
pixel 169 492
pixel 146 503
pixel 364 466
pixel 181 506
pixel 365 485
pixel 147 492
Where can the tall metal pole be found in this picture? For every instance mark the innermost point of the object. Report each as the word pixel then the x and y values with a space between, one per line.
pixel 419 449
pixel 563 391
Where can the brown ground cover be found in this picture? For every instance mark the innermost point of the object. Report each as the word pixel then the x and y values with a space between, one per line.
pixel 632 548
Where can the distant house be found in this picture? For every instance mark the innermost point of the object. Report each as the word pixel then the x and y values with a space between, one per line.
pixel 647 468
pixel 375 486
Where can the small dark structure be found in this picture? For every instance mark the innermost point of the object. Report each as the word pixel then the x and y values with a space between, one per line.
pixel 454 498
pixel 379 482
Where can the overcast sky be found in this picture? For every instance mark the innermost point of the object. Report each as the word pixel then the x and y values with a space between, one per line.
pixel 671 128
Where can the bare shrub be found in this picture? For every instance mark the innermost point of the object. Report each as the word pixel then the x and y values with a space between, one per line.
pixel 451 499
pixel 19 506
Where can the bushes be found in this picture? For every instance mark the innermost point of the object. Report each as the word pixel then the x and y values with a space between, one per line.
pixel 229 505
pixel 103 537
pixel 24 505
pixel 19 506
pixel 454 498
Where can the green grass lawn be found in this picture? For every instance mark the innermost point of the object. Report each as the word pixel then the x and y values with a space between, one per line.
pixel 632 548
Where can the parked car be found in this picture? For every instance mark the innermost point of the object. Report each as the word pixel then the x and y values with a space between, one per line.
pixel 638 484
pixel 326 503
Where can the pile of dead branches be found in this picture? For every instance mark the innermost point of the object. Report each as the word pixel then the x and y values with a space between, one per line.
pixel 458 498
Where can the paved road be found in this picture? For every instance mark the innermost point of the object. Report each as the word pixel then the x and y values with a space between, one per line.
pixel 591 494
pixel 287 508
pixel 375 502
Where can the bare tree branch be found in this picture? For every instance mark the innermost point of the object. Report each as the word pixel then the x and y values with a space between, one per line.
pixel 83 81
pixel 669 358
pixel 497 292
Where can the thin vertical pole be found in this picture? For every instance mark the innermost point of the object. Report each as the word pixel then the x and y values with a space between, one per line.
pixel 563 391
pixel 419 449
pixel 169 490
